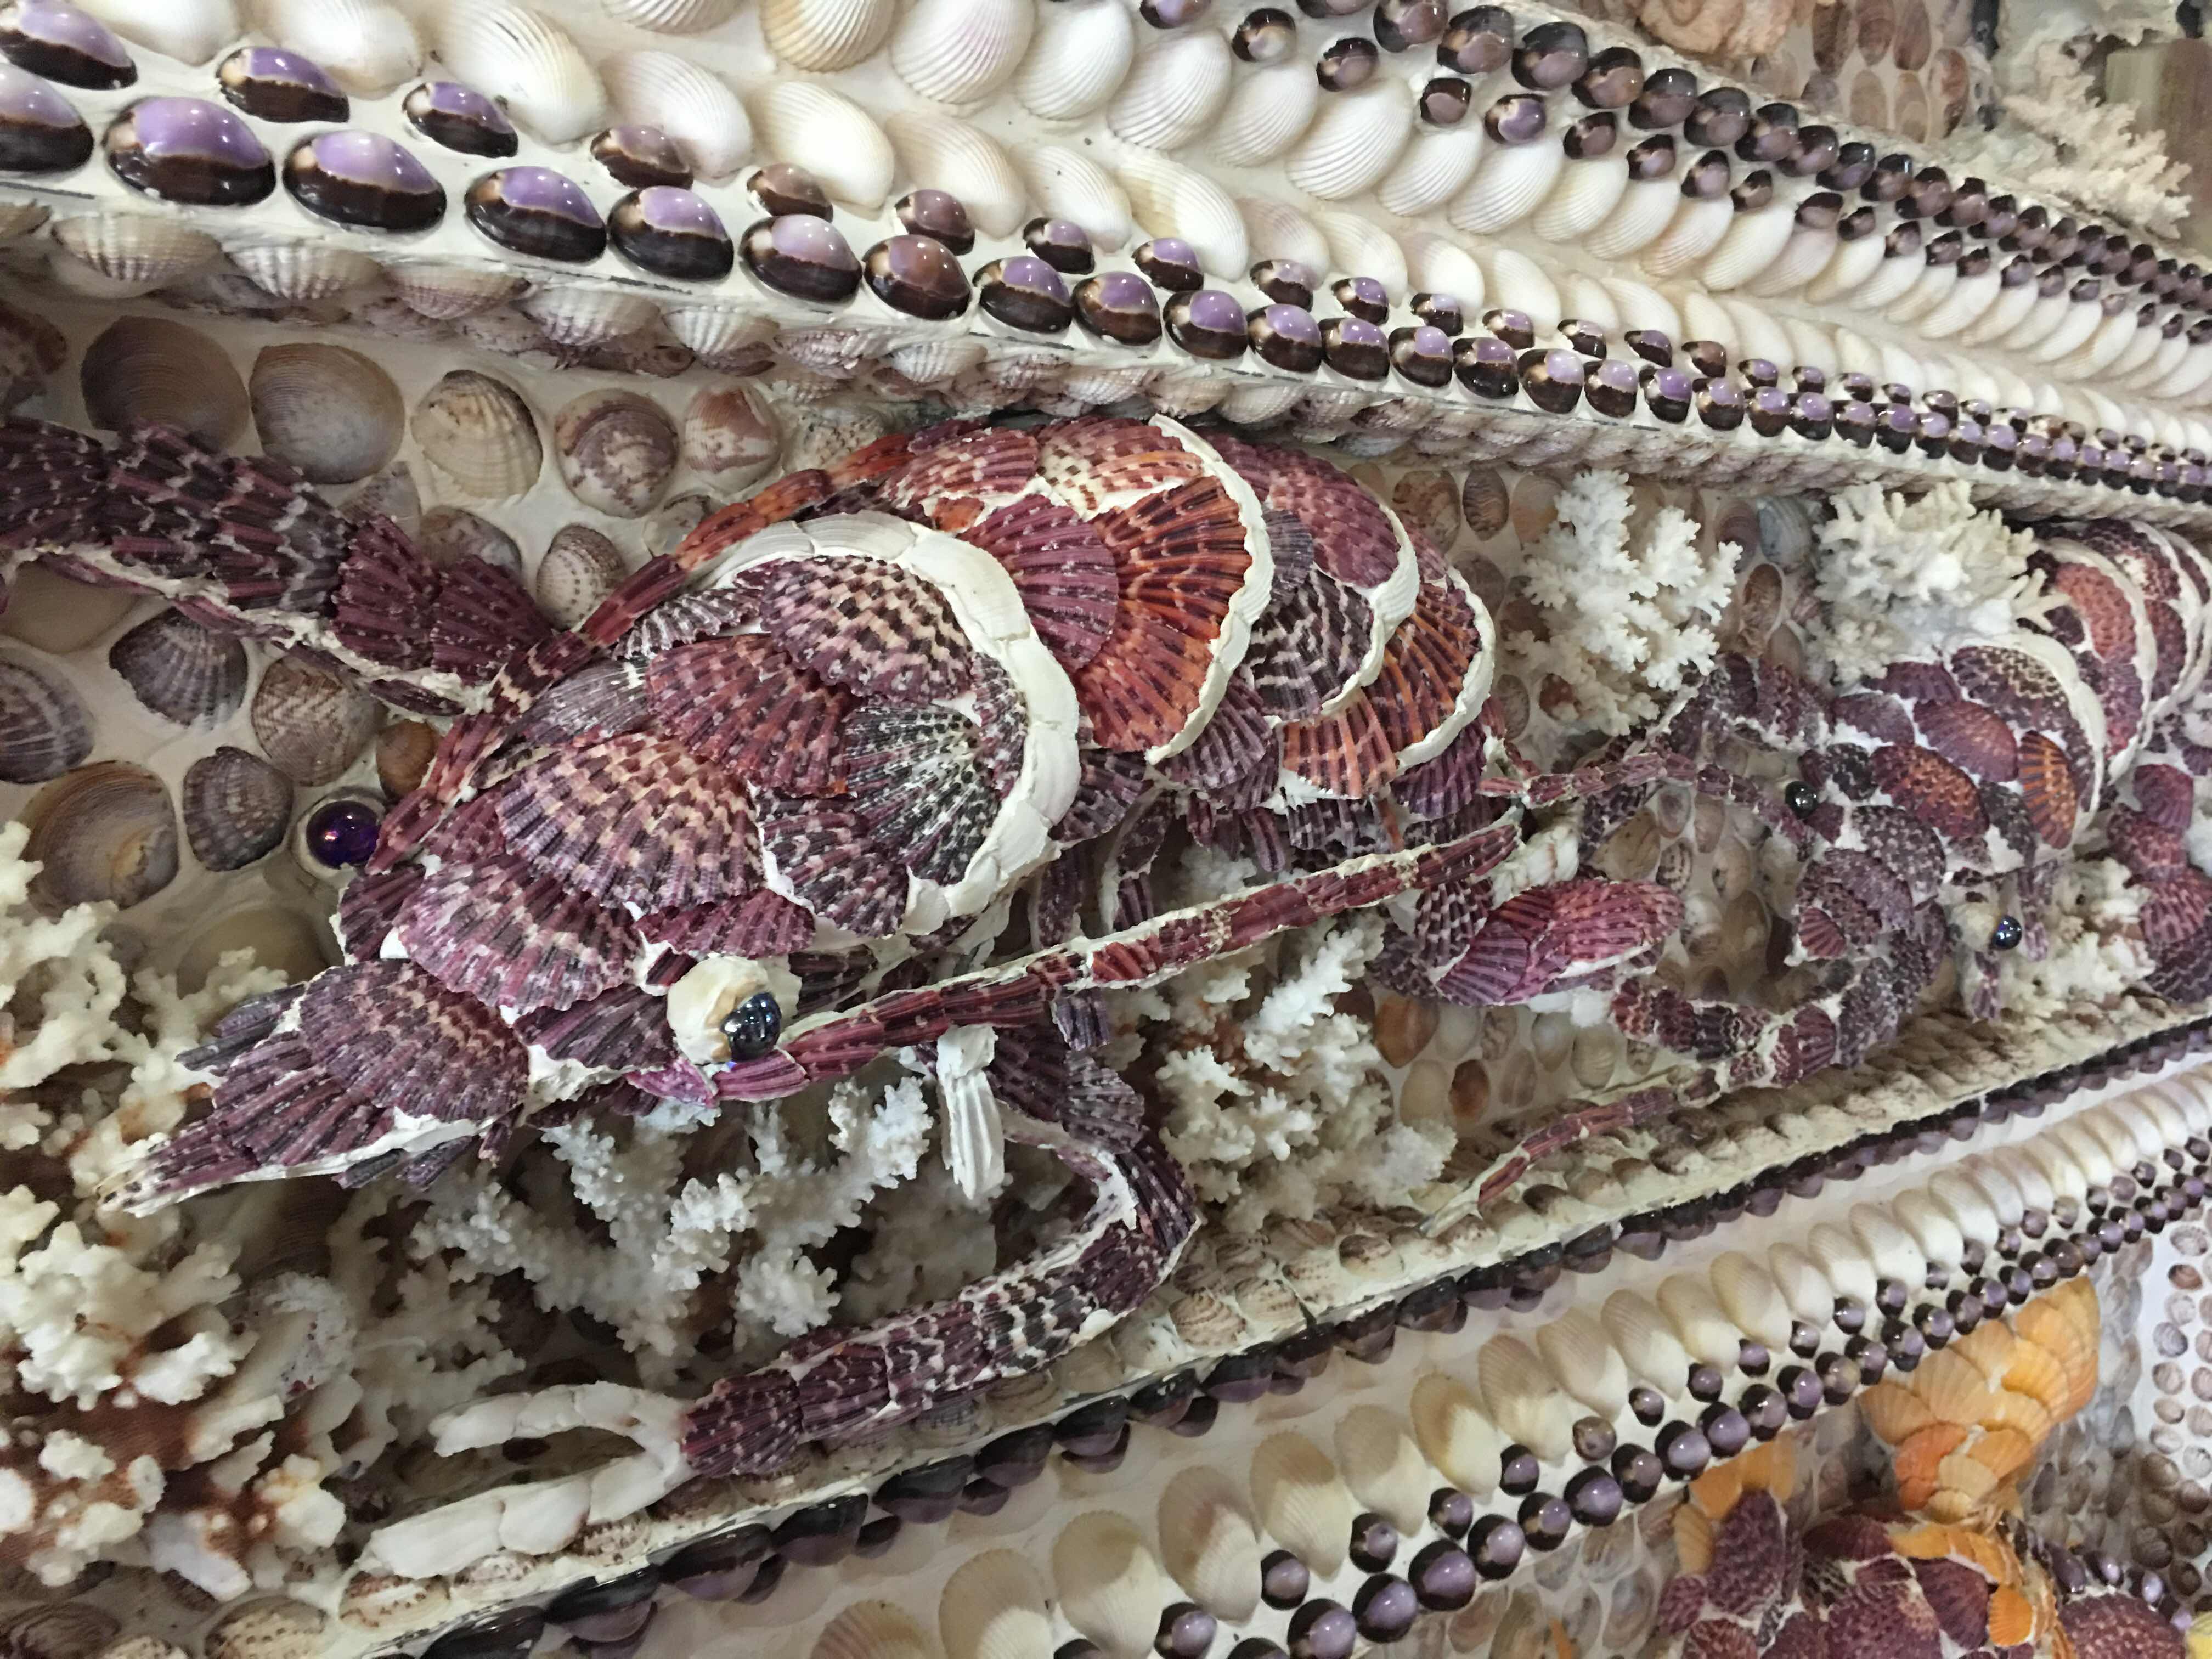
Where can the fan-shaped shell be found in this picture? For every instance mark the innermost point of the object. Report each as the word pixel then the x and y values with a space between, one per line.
pixel 832 138
pixel 180 671
pixel 365 45
pixel 1844 1260
pixel 1454 1433
pixel 1169 199
pixel 1065 184
pixel 1644 210
pixel 1646 1342
pixel 1757 332
pixel 994 1608
pixel 688 102
pixel 448 291
pixel 958 51
pixel 728 436
pixel 1506 188
pixel 236 808
pixel 330 411
pixel 873 1629
pixel 1805 1289
pixel 1079 54
pixel 1692 232
pixel 945 153
pixel 1175 91
pixel 136 249
pixel 1110 1587
pixel 44 728
pixel 579 568
pixel 1437 264
pixel 1383 1467
pixel 1268 110
pixel 583 317
pixel 1519 283
pixel 310 724
pixel 479 433
pixel 190 31
pixel 304 274
pixel 1359 246
pixel 825 34
pixel 1576 1348
pixel 527 62
pixel 1301 1502
pixel 1208 1544
pixel 1276 230
pixel 1523 1398
pixel 1354 141
pixel 617 451
pixel 151 370
pixel 1751 242
pixel 1752 1300
pixel 1433 168
pixel 1591 301
pixel 103 833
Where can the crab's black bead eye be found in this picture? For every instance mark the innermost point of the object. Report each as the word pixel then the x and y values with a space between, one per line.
pixel 752 1027
pixel 2006 935
pixel 1801 798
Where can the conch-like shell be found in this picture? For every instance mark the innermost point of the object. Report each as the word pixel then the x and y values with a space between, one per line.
pixel 832 138
pixel 994 1608
pixel 959 51
pixel 525 61
pixel 1065 184
pixel 825 34
pixel 1587 1364
pixel 1110 1587
pixel 1079 55
pixel 1383 1467
pixel 1208 1543
pixel 1169 199
pixel 1456 1433
pixel 480 434
pixel 688 102
pixel 947 153
pixel 367 46
pixel 1302 1502
pixel 1524 1399
pixel 1175 90
pixel 1431 169
pixel 1276 230
pixel 1270 107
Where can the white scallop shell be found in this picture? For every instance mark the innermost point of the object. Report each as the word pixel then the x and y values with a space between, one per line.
pixel 1899 364
pixel 330 411
pixel 717 333
pixel 688 102
pixel 1301 1502
pixel 1523 1398
pixel 2004 314
pixel 448 291
pixel 1591 301
pixel 1647 1343
pixel 959 51
pixel 588 316
pixel 1175 90
pixel 1810 344
pixel 1695 228
pixel 1704 318
pixel 1584 1359
pixel 1081 53
pixel 1886 282
pixel 873 1629
pixel 1706 1330
pixel 1360 247
pixel 190 31
pixel 138 249
pixel 525 61
pixel 1519 283
pixel 1803 257
pixel 1645 209
pixel 1803 1286
pixel 1752 1300
pixel 1383 1467
pixel 1276 230
pixel 1507 187
pixel 1929 290
pixel 1454 1433
pixel 2113 336
pixel 1169 199
pixel 1433 168
pixel 945 153
pixel 365 45
pixel 1439 264
pixel 1065 184
pixel 1257 402
pixel 1751 242
pixel 1998 1186
pixel 1758 334
pixel 674 16
pixel 832 138
pixel 1585 193
pixel 304 273
pixel 1843 1259
pixel 1270 107
pixel 481 434
pixel 2081 320
pixel 1110 1588
pixel 825 34
pixel 994 1608
pixel 1208 1543
pixel 1642 305
pixel 1850 264
pixel 2142 346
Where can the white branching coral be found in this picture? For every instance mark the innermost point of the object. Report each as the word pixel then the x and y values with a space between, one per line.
pixel 1629 626
pixel 1894 576
pixel 2093 928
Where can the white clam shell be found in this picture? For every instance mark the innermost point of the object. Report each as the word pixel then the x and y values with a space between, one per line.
pixel 720 333
pixel 1933 1232
pixel 138 249
pixel 1360 247
pixel 1431 169
pixel 1886 282
pixel 1698 1319
pixel 2081 320
pixel 994 1608
pixel 1646 1342
pixel 1584 194
pixel 1848 266
pixel 1804 1287
pixel 448 291
pixel 1110 1587
pixel 1929 290
pixel 1752 1300
pixel 588 316
pixel 1523 1398
pixel 1276 230
pixel 1519 283
pixel 1507 187
pixel 1078 56
pixel 832 138
pixel 1641 305
pixel 945 153
pixel 674 16
pixel 1591 301
pixel 1383 1467
pixel 1751 242
pixel 1704 318
pixel 1270 107
pixel 303 273
pixel 1843 1259
pixel 1169 199
pixel 1810 344
pixel 365 45
pixel 1065 184
pixel 1208 1543
pixel 1437 264
pixel 480 434
pixel 1173 91
pixel 873 1629
pixel 525 61
pixel 959 51
pixel 1302 1502
pixel 2004 314
pixel 2083 1149
pixel 190 31
pixel 1256 402
pixel 2142 346
pixel 826 35
pixel 1644 210
pixel 688 102
pixel 1757 332
pixel 1693 231
pixel 331 412
pixel 1803 257
pixel 1584 1359
pixel 1893 1250
pixel 1998 1186
pixel 1456 1434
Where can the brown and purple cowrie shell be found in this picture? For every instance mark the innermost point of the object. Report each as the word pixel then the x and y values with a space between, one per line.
pixel 1613 80
pixel 1477 41
pixel 1706 179
pixel 1173 14
pixel 1978 262
pixel 2142 264
pixel 1385 1608
pixel 1771 136
pixel 1860 222
pixel 1754 192
pixel 1708 358
pixel 1326 8
pixel 938 214
pixel 1651 345
pixel 1322 1628
pixel 1812 416
pixel 1853 165
pixel 1511 326
pixel 2031 231
pixel 1442 311
pixel 1286 282
pixel 1586 337
pixel 1722 116
pixel 1401 25
pixel 1353 347
pixel 1348 64
pixel 1485 366
pixel 55 40
pixel 1891 178
pixel 1946 249
pixel 1023 292
pixel 1423 354
pixel 1820 210
pixel 1968 206
pixel 1858 386
pixel 1768 407
pixel 800 255
pixel 1516 119
pixel 1854 423
pixel 1552 379
pixel 1282 335
pixel 1928 195
pixel 1445 101
pixel 1999 220
pixel 1721 404
pixel 640 157
pixel 781 188
pixel 1363 297
pixel 2083 290
pixel 1815 153
pixel 459 117
pixel 1211 324
pixel 1611 387
pixel 1667 97
pixel 1171 264
pixel 356 178
pixel 1895 427
pixel 917 275
pixel 2064 239
pixel 188 151
pixel 1551 56
pixel 1758 372
pixel 1590 136
pixel 39 132
pixel 1806 378
pixel 277 85
pixel 508 1634
pixel 1652 159
pixel 1061 243
pixel 536 211
pixel 1903 241
pixel 1266 36
pixel 2112 258
pixel 2050 282
pixel 1118 304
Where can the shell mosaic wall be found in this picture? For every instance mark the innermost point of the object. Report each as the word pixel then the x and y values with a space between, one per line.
pixel 1066 829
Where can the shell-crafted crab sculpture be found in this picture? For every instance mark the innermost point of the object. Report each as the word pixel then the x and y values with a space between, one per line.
pixel 883 759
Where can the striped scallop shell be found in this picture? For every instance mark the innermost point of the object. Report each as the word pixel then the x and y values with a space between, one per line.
pixel 1693 230
pixel 1591 301
pixel 45 729
pixel 1110 1586
pixel 1271 106
pixel 1208 1543
pixel 832 138
pixel 1081 53
pixel 945 153
pixel 180 671
pixel 688 102
pixel 1065 184
pixel 331 412
pixel 873 1629
pixel 826 35
pixel 959 51
pixel 1169 199
pixel 236 807
pixel 527 62
pixel 1301 1501
pixel 1454 1433
pixel 1353 141
pixel 1174 92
